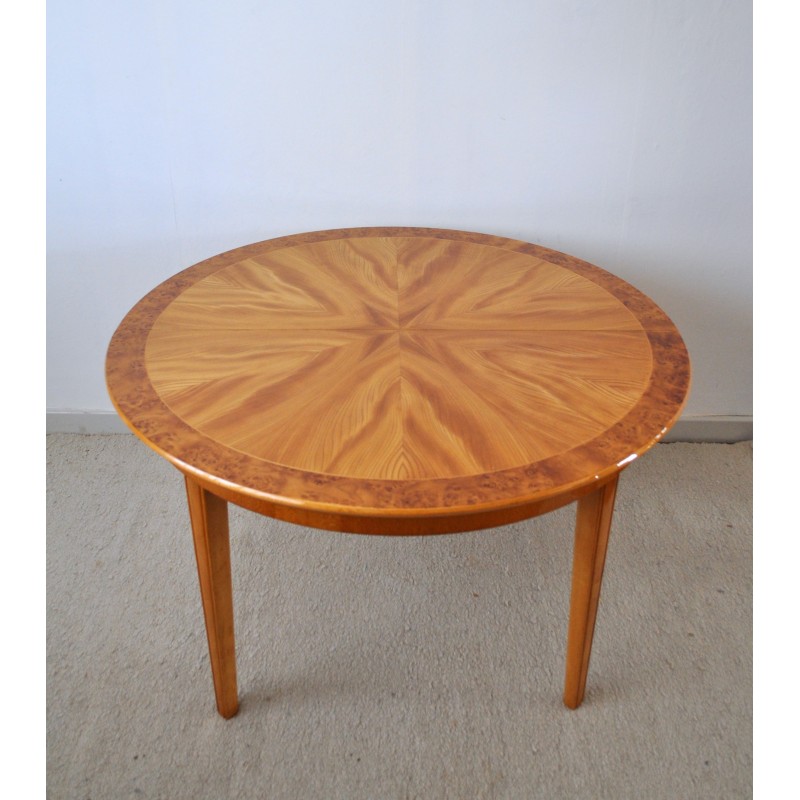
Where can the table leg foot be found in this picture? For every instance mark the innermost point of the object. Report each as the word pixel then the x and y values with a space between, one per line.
pixel 209 515
pixel 591 541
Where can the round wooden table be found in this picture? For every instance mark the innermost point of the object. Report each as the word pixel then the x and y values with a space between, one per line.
pixel 399 381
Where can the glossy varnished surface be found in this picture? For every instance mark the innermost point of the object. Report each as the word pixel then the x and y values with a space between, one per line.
pixel 398 374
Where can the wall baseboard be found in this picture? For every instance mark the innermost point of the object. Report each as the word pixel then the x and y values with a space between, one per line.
pixel 688 429
pixel 711 429
pixel 85 422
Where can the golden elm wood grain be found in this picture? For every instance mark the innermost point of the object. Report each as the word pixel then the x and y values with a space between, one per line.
pixel 386 374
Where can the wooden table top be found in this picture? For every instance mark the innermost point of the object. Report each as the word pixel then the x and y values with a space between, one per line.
pixel 398 380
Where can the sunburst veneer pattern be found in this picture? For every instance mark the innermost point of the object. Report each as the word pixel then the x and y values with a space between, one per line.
pixel 384 363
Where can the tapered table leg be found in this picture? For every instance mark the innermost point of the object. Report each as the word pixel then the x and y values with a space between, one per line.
pixel 209 515
pixel 591 541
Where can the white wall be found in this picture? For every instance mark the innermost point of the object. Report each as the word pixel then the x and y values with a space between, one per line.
pixel 615 130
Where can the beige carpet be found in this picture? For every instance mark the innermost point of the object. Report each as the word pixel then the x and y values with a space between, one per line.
pixel 373 667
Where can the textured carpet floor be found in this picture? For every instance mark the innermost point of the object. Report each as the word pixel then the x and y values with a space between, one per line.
pixel 373 667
